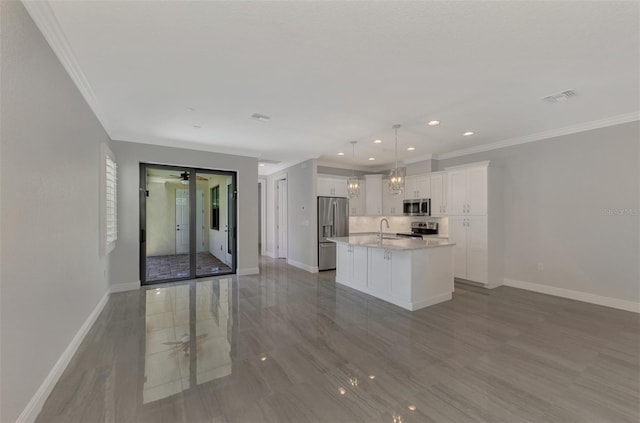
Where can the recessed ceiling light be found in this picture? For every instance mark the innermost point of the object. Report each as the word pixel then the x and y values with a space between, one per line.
pixel 410 148
pixel 434 122
pixel 468 133
pixel 196 126
pixel 341 154
pixel 259 117
pixel 377 141
pixel 261 164
pixel 372 158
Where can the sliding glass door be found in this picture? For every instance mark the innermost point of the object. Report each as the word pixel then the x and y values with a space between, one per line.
pixel 187 221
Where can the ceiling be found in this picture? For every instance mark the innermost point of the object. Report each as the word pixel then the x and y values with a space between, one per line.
pixel 327 73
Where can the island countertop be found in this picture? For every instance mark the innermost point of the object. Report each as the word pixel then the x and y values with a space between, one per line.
pixel 388 243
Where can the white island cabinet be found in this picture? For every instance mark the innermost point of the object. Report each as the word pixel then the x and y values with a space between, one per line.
pixel 409 273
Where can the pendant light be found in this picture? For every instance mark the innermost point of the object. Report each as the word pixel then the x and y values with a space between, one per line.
pixel 353 184
pixel 396 176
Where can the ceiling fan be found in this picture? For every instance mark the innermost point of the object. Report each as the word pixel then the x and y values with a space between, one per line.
pixel 184 177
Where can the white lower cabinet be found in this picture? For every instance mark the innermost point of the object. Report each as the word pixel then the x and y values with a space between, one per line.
pixel 351 265
pixel 411 279
pixel 470 254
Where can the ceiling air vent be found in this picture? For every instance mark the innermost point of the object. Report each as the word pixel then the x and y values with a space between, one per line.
pixel 564 95
pixel 259 117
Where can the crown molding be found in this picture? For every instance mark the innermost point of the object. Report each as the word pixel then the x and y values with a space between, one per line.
pixel 46 21
pixel 417 159
pixel 567 130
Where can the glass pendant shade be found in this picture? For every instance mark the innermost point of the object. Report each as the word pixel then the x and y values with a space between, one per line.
pixel 396 181
pixel 396 176
pixel 353 185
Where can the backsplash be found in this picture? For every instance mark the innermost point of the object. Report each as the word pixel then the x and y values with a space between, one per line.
pixel 396 223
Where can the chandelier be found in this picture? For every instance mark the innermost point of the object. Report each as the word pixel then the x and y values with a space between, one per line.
pixel 396 176
pixel 353 185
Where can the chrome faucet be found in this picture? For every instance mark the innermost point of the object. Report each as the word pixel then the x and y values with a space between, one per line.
pixel 384 219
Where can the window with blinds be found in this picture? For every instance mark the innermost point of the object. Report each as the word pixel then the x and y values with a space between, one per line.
pixel 111 209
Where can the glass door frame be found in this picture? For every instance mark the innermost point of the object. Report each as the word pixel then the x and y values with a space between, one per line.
pixel 192 171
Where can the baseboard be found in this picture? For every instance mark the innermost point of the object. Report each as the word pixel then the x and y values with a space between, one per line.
pixel 248 271
pixel 575 295
pixel 33 408
pixel 303 266
pixel 122 287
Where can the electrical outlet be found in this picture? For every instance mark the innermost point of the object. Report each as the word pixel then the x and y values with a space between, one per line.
pixel 540 267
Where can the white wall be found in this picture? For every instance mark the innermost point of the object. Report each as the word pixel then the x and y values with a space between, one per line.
pixel 52 274
pixel 302 214
pixel 125 266
pixel 557 197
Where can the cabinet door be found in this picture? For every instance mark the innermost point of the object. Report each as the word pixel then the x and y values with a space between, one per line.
pixel 360 271
pixel 423 188
pixel 477 196
pixel 373 198
pixel 458 235
pixel 457 192
pixel 357 205
pixel 410 187
pixel 324 187
pixel 400 274
pixel 340 188
pixel 437 195
pixel 344 264
pixel 379 271
pixel 391 204
pixel 477 249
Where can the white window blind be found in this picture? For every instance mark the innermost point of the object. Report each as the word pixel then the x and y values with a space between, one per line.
pixel 111 209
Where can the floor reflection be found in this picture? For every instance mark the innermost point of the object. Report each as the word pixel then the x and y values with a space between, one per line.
pixel 187 337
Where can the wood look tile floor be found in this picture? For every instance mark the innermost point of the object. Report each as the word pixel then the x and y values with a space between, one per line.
pixel 289 346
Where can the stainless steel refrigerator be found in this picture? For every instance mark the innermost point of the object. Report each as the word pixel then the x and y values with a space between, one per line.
pixel 333 221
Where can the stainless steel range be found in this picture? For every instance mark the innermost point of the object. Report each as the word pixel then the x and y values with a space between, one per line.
pixel 421 228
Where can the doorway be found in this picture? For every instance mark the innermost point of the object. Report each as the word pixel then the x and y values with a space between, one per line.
pixel 187 223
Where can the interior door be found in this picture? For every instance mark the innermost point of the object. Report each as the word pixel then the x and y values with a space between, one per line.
pixel 182 221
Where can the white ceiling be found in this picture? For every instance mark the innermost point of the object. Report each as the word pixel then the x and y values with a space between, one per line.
pixel 331 72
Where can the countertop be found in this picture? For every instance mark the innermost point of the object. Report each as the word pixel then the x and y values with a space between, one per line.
pixel 393 243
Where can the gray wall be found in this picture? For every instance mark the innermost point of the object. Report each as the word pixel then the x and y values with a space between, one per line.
pixel 125 266
pixel 52 274
pixel 301 208
pixel 557 193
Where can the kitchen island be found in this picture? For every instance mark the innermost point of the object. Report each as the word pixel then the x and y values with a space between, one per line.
pixel 409 273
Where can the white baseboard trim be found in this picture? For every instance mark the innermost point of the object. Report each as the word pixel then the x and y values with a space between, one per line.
pixel 248 271
pixel 122 287
pixel 575 295
pixel 33 408
pixel 303 266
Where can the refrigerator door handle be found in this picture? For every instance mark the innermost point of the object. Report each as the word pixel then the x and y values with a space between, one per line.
pixel 335 211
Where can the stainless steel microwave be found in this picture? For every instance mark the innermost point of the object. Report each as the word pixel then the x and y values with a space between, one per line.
pixel 417 207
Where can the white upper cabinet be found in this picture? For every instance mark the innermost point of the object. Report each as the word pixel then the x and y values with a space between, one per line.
pixel 391 204
pixel 373 197
pixel 468 191
pixel 357 205
pixel 438 184
pixel 417 186
pixel 332 186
